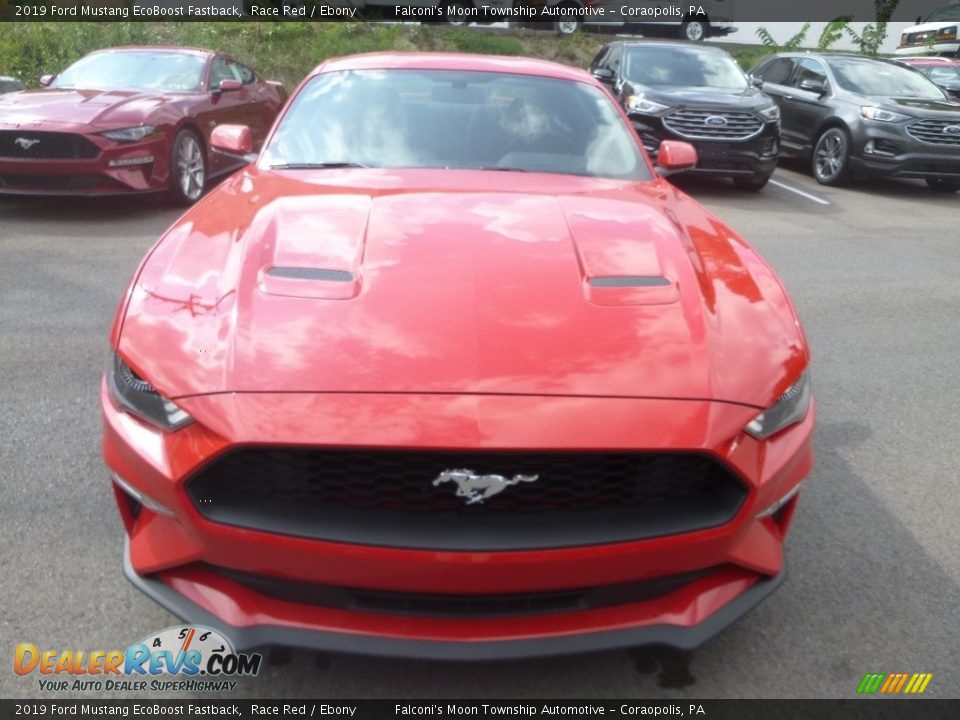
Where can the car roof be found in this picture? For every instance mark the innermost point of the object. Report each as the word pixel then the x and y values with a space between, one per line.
pixel 157 48
pixel 929 60
pixel 679 44
pixel 453 61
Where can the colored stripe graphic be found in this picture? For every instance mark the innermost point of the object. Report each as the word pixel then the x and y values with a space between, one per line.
pixel 894 683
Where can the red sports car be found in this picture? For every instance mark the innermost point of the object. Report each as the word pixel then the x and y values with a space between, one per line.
pixel 943 72
pixel 450 372
pixel 131 120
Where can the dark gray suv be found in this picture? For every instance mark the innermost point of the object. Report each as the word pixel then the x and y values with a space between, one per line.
pixel 855 116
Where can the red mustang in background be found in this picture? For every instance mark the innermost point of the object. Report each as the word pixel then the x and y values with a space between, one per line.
pixel 131 120
pixel 450 372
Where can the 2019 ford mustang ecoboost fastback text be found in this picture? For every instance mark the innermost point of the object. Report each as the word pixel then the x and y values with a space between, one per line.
pixel 449 371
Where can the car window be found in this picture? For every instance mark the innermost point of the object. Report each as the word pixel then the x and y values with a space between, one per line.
pixel 669 65
pixel 224 69
pixel 598 60
pixel 247 76
pixel 946 76
pixel 950 12
pixel 883 79
pixel 456 120
pixel 613 59
pixel 776 72
pixel 809 70
pixel 134 70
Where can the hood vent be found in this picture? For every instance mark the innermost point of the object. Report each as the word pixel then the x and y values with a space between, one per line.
pixel 628 281
pixel 307 273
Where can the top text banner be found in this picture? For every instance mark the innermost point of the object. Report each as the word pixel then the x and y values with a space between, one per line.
pixel 719 13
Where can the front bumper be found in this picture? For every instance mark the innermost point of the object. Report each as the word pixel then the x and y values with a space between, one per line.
pixel 116 168
pixel 754 157
pixel 888 151
pixel 175 558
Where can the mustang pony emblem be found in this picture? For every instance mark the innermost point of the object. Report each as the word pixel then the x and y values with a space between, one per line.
pixel 25 143
pixel 477 488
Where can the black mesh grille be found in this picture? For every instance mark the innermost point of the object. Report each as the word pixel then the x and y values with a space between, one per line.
pixel 628 281
pixel 308 273
pixel 459 606
pixel 937 132
pixel 60 183
pixel 389 498
pixel 24 145
pixel 709 125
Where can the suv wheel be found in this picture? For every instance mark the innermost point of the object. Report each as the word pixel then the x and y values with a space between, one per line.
pixel 831 157
pixel 694 31
pixel 943 185
pixel 566 27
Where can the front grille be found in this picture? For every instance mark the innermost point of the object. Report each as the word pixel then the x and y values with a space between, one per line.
pixel 388 498
pixel 59 183
pixel 459 606
pixel 25 145
pixel 706 125
pixel 933 132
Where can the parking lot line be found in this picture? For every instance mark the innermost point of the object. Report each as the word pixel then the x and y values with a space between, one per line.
pixel 800 192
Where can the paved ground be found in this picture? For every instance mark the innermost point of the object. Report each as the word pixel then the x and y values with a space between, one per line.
pixel 874 562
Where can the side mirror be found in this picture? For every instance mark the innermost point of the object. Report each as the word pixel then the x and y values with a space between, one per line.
pixel 814 86
pixel 757 82
pixel 229 86
pixel 919 19
pixel 233 140
pixel 604 75
pixel 45 80
pixel 675 156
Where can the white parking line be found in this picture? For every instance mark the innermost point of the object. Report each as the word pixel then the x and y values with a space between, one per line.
pixel 807 195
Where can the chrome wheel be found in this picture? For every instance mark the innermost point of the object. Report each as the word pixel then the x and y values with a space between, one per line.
pixel 830 157
pixel 694 31
pixel 190 167
pixel 568 27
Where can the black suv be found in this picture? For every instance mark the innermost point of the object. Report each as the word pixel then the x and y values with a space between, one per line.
pixel 698 94
pixel 851 116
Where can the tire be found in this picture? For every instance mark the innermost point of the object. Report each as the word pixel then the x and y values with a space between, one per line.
pixel 943 185
pixel 566 27
pixel 455 19
pixel 830 162
pixel 188 168
pixel 694 30
pixel 753 183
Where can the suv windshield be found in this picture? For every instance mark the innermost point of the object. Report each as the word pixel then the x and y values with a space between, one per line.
pixel 454 119
pixel 950 12
pixel 134 70
pixel 870 77
pixel 683 67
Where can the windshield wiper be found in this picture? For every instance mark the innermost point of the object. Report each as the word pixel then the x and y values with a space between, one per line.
pixel 502 169
pixel 316 166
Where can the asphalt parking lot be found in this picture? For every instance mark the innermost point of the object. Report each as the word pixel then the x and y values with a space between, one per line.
pixel 874 572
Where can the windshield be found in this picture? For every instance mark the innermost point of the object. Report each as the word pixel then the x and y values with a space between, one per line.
pixel 869 77
pixel 134 71
pixel 951 12
pixel 455 119
pixel 683 67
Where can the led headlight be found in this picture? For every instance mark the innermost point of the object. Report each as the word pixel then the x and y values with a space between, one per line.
pixel 136 396
pixel 875 113
pixel 640 104
pixel 789 409
pixel 130 134
pixel 770 114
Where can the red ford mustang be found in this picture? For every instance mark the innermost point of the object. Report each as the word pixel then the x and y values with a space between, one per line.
pixel 131 120
pixel 450 372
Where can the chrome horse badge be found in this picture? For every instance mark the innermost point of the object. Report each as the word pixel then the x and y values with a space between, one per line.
pixel 477 488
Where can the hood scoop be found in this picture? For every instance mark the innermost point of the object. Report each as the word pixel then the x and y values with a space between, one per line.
pixel 314 247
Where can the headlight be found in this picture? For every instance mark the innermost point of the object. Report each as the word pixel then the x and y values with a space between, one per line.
pixel 789 409
pixel 640 104
pixel 771 113
pixel 130 134
pixel 136 396
pixel 875 113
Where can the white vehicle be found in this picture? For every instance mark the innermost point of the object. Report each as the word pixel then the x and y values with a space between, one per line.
pixel 935 36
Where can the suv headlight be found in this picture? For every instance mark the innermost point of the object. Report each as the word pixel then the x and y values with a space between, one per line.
pixel 640 104
pixel 770 114
pixel 132 134
pixel 875 113
pixel 135 395
pixel 791 408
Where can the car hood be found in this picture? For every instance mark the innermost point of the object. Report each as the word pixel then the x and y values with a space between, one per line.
pixel 392 283
pixel 947 109
pixel 748 99
pixel 101 108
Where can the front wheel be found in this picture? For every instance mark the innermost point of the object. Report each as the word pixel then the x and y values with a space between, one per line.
pixel 454 12
pixel 753 183
pixel 188 168
pixel 694 30
pixel 566 27
pixel 831 157
pixel 943 185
